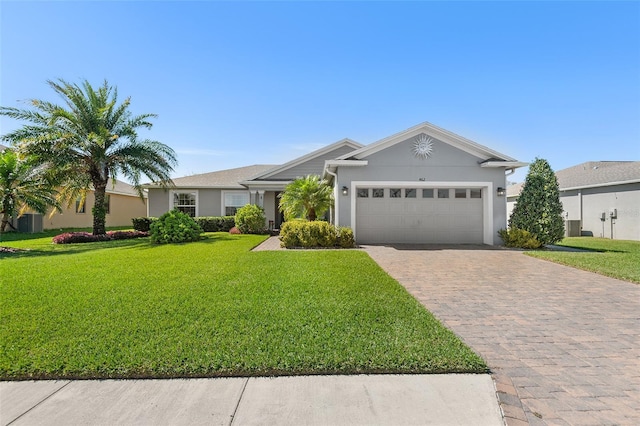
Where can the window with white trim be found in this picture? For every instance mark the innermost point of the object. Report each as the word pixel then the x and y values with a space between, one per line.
pixel 233 201
pixel 185 202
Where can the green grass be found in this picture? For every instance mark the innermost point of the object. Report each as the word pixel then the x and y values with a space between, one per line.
pixel 614 258
pixel 129 309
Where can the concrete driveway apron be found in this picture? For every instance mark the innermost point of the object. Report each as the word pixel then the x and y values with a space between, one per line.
pixel 563 344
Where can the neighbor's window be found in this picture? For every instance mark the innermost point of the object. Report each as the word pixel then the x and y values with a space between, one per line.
pixel 185 202
pixel 476 193
pixel 378 192
pixel 107 203
pixel 80 206
pixel 395 193
pixel 233 201
pixel 461 193
pixel 363 192
pixel 443 193
pixel 427 193
pixel 410 193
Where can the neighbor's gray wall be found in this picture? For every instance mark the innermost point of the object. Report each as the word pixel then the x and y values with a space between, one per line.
pixel 314 166
pixel 624 198
pixel 446 163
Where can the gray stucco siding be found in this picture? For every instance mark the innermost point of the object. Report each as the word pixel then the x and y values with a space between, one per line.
pixel 209 201
pixel 624 198
pixel 446 164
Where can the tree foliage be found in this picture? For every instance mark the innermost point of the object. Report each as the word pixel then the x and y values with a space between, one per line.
pixel 89 140
pixel 23 185
pixel 538 209
pixel 309 197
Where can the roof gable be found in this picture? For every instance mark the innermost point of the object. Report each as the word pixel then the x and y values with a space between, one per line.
pixel 320 155
pixel 435 132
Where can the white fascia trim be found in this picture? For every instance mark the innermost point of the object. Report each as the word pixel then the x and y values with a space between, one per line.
pixel 296 162
pixel 184 191
pixel 265 183
pixel 441 134
pixel 487 201
pixel 505 164
pixel 330 166
pixel 600 185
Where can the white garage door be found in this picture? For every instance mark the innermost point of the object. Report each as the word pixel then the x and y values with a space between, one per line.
pixel 419 215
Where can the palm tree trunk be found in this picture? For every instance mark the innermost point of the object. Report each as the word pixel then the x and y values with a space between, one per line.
pixel 99 211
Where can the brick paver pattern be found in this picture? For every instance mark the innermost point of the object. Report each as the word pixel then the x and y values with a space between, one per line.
pixel 569 340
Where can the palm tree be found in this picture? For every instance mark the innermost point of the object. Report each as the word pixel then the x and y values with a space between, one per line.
pixel 23 185
pixel 89 141
pixel 308 197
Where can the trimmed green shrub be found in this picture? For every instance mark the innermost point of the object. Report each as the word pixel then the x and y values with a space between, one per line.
pixel 143 223
pixel 250 219
pixel 175 227
pixel 538 209
pixel 345 237
pixel 520 238
pixel 310 234
pixel 215 223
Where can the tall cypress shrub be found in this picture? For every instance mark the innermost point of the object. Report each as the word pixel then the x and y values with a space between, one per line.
pixel 538 209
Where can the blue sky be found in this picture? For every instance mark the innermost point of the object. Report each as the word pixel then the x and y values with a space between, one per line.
pixel 240 83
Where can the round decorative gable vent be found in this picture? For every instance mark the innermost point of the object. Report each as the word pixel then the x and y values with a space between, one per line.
pixel 423 146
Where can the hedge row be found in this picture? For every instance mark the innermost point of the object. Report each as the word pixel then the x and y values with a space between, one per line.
pixel 305 234
pixel 207 223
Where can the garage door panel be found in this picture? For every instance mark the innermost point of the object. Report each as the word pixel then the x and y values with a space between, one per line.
pixel 419 220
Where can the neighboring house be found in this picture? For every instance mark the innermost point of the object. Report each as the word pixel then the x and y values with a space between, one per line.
pixel 601 197
pixel 422 185
pixel 123 204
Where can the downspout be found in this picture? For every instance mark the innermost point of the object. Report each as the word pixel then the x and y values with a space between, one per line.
pixel 334 210
pixel 580 209
pixel 511 171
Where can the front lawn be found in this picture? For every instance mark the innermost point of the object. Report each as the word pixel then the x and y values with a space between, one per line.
pixel 212 308
pixel 614 258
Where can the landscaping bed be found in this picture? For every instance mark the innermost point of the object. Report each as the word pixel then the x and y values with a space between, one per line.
pixel 131 309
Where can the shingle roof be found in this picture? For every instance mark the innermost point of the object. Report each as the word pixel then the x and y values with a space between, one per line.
pixel 222 178
pixel 596 173
pixel 591 173
pixel 3 147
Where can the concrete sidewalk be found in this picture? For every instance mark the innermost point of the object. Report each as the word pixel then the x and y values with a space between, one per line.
pixel 452 399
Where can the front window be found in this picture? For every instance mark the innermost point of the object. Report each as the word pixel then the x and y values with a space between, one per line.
pixel 233 201
pixel 80 206
pixel 185 202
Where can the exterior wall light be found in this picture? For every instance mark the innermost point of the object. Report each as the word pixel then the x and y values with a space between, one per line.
pixel 501 191
pixel 345 190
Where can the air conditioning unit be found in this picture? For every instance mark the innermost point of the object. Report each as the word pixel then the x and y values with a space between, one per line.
pixel 571 228
pixel 30 223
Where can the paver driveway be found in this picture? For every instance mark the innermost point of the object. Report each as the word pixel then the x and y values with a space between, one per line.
pixel 568 340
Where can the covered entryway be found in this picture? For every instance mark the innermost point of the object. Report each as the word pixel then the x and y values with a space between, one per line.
pixel 419 215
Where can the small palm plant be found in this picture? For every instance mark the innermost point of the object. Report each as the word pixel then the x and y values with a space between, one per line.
pixel 23 186
pixel 308 197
